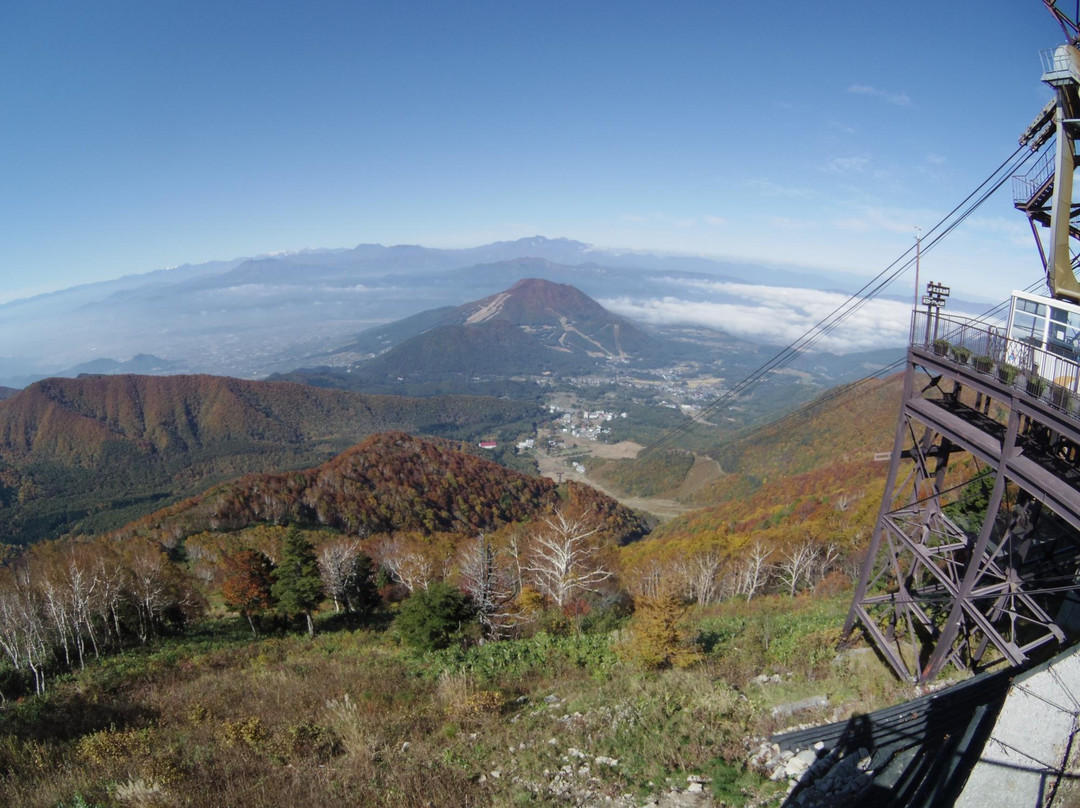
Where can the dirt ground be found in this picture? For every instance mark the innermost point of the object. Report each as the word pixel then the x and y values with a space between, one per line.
pixel 558 469
pixel 623 450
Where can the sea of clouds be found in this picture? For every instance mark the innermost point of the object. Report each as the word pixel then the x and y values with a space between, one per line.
pixel 774 314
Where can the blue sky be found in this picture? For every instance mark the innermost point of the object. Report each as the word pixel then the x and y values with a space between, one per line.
pixel 142 135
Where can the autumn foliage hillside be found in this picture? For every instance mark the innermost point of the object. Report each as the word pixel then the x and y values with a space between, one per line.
pixel 389 483
pixel 83 454
pixel 843 425
pixel 809 480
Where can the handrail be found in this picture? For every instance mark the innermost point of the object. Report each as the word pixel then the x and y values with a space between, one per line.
pixel 1029 368
pixel 1026 186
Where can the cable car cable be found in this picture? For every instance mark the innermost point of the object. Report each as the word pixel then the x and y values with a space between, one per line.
pixel 842 312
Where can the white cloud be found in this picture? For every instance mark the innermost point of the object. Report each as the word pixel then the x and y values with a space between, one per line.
pixel 715 221
pixel 271 290
pixel 789 223
pixel 882 219
pixel 847 165
pixel 768 188
pixel 899 99
pixel 775 315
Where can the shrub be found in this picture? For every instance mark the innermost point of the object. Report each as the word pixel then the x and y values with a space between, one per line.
pixel 656 641
pixel 507 662
pixel 305 739
pixel 1007 373
pixel 249 731
pixel 432 618
pixel 110 746
pixel 79 801
pixel 1060 396
pixel 459 699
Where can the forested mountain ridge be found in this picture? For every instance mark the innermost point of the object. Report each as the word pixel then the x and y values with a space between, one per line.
pixel 94 452
pixel 70 419
pixel 389 482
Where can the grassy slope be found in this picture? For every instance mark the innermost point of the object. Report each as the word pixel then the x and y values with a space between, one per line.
pixel 267 723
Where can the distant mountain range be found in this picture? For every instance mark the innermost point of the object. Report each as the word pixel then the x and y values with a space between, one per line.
pixel 91 453
pixel 251 317
pixel 501 343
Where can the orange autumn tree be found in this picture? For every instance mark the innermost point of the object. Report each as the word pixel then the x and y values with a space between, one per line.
pixel 249 576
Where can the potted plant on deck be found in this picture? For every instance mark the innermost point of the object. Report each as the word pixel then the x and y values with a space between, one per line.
pixel 1060 396
pixel 983 364
pixel 961 354
pixel 941 347
pixel 1007 373
pixel 1036 385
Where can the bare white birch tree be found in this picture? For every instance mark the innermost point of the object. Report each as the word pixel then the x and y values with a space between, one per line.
pixel 754 571
pixel 564 558
pixel 701 572
pixel 410 568
pixel 650 581
pixel 24 632
pixel 828 558
pixel 337 568
pixel 797 564
pixel 489 580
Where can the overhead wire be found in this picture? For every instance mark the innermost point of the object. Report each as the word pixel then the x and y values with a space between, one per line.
pixel 852 390
pixel 870 290
pixel 813 335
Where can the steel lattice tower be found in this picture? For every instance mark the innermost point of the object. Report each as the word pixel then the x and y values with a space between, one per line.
pixel 932 591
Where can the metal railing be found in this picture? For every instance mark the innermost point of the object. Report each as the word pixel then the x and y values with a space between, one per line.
pixel 1027 186
pixel 1017 364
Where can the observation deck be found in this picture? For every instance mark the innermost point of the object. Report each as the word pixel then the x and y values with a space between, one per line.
pixel 1039 386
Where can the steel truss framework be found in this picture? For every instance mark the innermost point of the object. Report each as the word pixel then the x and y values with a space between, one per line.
pixel 931 594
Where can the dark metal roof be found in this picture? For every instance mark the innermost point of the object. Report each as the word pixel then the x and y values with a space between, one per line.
pixel 921 751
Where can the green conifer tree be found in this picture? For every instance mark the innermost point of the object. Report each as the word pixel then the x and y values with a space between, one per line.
pixel 298 588
pixel 432 618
